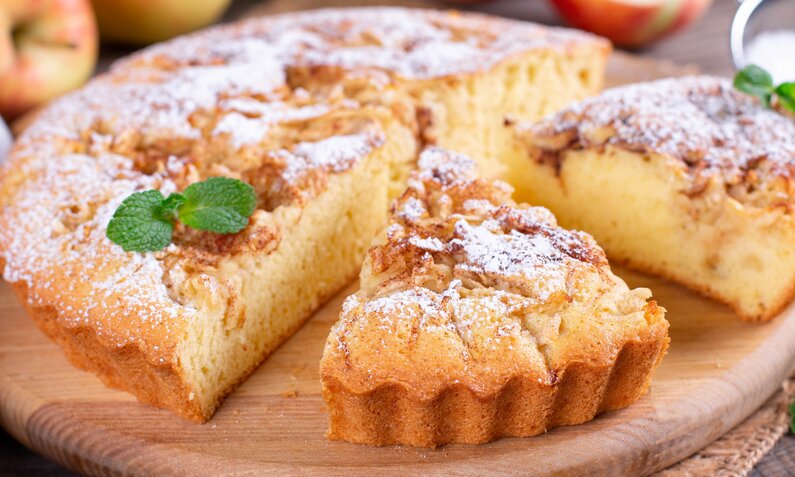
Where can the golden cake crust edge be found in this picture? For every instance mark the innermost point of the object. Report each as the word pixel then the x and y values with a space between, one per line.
pixel 394 413
pixel 113 365
pixel 127 368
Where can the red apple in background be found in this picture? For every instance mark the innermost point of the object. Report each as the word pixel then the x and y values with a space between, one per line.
pixel 47 47
pixel 631 22
pixel 140 22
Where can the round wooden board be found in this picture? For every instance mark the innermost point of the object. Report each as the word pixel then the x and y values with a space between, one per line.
pixel 718 370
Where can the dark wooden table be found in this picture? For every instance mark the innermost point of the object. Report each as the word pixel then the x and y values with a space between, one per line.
pixel 704 44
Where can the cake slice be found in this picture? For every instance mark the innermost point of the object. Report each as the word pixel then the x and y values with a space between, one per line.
pixel 479 318
pixel 686 178
pixel 181 327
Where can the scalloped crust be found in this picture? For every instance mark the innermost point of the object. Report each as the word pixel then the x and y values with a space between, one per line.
pixel 126 368
pixel 392 413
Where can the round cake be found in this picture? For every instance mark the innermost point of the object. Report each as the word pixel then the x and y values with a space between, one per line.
pixel 321 112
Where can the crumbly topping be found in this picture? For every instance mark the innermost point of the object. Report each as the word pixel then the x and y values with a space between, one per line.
pixel 451 226
pixel 715 132
pixel 334 154
pixel 452 313
pixel 244 130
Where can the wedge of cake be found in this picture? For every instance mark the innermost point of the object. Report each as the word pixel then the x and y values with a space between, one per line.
pixel 321 112
pixel 479 318
pixel 181 327
pixel 686 178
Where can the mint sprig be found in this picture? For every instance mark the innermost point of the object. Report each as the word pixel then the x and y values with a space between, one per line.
pixel 139 223
pixel 218 204
pixel 756 81
pixel 144 222
pixel 792 417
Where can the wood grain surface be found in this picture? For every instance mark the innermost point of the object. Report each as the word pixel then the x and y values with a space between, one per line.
pixel 718 370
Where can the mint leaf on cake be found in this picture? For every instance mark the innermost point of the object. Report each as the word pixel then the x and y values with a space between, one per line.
pixel 138 225
pixel 757 82
pixel 219 204
pixel 786 96
pixel 144 222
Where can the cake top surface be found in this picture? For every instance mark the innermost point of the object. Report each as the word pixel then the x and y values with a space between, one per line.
pixel 713 131
pixel 409 43
pixel 467 287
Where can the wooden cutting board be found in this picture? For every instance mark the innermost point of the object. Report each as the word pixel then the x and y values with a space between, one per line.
pixel 717 372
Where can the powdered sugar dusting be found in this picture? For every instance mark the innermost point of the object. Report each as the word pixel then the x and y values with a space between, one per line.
pixel 243 130
pixel 439 44
pixel 416 44
pixel 704 122
pixel 488 241
pixel 64 224
pixel 445 166
pixel 335 154
pixel 529 257
pixel 153 102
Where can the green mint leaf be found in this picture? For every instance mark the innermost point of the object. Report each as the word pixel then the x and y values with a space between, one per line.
pixel 218 204
pixel 792 417
pixel 169 209
pixel 755 81
pixel 144 221
pixel 138 224
pixel 786 96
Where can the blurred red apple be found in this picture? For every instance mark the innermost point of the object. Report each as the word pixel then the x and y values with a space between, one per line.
pixel 631 22
pixel 47 47
pixel 140 22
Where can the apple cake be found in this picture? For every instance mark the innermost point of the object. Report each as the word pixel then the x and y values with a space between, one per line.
pixel 686 178
pixel 479 318
pixel 321 112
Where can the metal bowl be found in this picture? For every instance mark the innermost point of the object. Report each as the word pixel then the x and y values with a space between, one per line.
pixel 753 17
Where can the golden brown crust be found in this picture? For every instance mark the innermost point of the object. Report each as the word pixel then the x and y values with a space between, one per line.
pixel 126 367
pixel 391 414
pixel 122 367
pixel 479 318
